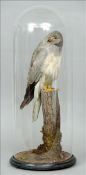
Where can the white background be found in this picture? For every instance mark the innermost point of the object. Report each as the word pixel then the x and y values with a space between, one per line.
pixel 73 15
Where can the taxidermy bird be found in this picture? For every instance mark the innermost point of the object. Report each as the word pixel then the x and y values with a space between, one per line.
pixel 44 69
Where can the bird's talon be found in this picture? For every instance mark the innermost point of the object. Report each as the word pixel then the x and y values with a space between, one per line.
pixel 48 88
pixel 45 88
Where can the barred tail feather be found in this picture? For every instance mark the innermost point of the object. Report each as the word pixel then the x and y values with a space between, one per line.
pixel 37 102
pixel 36 109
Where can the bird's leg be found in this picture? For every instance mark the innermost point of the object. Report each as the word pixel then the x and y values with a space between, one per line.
pixel 45 87
pixel 48 87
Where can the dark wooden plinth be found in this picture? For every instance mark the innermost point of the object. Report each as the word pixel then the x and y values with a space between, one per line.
pixel 66 162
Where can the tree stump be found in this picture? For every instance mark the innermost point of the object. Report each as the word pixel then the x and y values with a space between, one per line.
pixel 51 116
pixel 51 124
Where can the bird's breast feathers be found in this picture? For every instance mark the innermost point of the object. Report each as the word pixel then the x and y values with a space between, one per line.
pixel 51 65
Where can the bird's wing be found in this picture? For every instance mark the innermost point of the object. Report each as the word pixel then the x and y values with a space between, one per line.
pixel 34 74
pixel 37 61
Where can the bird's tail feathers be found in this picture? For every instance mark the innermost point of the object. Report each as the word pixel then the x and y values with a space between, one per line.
pixel 37 102
pixel 36 109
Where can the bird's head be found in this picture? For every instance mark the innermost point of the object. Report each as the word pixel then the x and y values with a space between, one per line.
pixel 55 38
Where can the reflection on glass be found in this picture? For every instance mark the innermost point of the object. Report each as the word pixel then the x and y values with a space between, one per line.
pixel 45 26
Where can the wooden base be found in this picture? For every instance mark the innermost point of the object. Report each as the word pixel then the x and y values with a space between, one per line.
pixel 30 161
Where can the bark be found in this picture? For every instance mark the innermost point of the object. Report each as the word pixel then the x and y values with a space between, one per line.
pixel 51 123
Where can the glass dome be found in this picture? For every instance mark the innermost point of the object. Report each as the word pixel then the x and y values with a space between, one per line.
pixel 42 142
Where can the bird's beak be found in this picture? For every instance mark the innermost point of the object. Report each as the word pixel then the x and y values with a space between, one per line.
pixel 51 39
pixel 58 42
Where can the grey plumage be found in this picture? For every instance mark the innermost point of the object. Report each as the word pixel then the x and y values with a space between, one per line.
pixel 40 53
pixel 48 50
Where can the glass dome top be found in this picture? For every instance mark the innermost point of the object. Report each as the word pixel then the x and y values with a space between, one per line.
pixel 39 17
